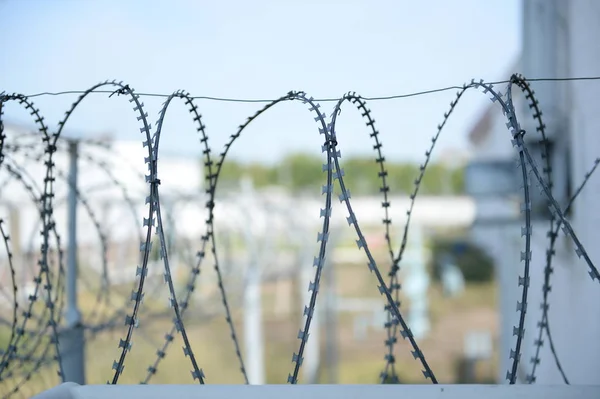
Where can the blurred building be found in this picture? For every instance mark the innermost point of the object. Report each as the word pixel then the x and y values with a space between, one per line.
pixel 111 179
pixel 113 189
pixel 452 157
pixel 559 40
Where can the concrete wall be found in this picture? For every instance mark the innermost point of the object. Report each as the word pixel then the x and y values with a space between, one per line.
pixel 574 314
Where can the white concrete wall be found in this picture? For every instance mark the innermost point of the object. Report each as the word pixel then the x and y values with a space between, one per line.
pixel 190 216
pixel 574 313
pixel 575 298
pixel 315 391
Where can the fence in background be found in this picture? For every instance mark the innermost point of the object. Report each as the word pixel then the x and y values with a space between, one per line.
pixel 52 305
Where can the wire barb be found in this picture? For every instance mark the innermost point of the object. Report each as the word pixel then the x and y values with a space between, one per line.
pixel 34 330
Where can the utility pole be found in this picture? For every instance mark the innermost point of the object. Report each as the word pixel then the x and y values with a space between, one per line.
pixel 417 284
pixel 311 360
pixel 15 237
pixel 71 338
pixel 330 313
pixel 253 334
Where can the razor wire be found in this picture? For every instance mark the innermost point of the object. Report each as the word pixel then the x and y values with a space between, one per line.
pixel 153 230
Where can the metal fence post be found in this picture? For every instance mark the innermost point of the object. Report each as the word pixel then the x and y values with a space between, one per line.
pixel 253 332
pixel 331 315
pixel 312 358
pixel 71 337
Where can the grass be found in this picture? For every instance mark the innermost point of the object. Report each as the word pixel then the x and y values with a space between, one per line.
pixel 360 362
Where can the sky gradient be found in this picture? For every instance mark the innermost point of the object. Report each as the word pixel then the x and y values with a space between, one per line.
pixel 261 49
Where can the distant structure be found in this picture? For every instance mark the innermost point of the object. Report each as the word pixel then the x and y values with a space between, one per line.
pixel 452 157
pixel 553 46
pixel 453 280
pixel 416 284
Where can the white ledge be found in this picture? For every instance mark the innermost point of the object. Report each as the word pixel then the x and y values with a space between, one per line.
pixel 74 391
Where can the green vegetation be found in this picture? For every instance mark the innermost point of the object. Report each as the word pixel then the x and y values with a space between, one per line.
pixel 475 264
pixel 360 360
pixel 300 172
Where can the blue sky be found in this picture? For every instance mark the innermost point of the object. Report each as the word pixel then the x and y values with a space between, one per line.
pixel 261 49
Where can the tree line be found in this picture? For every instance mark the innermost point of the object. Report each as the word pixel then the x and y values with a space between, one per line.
pixel 303 173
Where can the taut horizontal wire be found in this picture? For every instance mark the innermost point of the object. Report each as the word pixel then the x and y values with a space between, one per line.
pixel 330 99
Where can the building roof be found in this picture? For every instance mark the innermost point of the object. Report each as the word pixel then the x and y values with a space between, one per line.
pixel 483 125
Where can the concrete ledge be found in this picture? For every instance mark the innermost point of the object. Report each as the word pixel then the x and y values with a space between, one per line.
pixel 74 391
